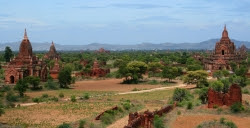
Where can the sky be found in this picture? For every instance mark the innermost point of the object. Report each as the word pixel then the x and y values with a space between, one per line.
pixel 123 21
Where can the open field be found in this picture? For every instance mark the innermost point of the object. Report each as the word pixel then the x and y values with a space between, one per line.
pixel 50 114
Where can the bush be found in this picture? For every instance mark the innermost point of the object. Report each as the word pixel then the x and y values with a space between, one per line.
pixel 126 105
pixel 54 99
pixel 64 125
pixel 11 97
pixel 158 122
pixel 51 85
pixel 5 88
pixel 178 112
pixel 61 95
pixel 86 96
pixel 1 109
pixel 181 94
pixel 245 91
pixel 45 95
pixel 107 118
pixel 73 98
pixel 82 123
pixel 189 105
pixel 237 107
pixel 37 100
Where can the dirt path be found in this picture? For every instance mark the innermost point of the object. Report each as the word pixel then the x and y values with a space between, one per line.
pixel 119 123
pixel 154 89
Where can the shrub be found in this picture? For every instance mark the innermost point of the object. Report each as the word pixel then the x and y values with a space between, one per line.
pixel 107 118
pixel 181 94
pixel 51 85
pixel 126 105
pixel 82 123
pixel 178 112
pixel 54 99
pixel 73 98
pixel 5 88
pixel 222 120
pixel 11 97
pixel 86 96
pixel 189 105
pixel 45 95
pixel 245 91
pixel 219 110
pixel 1 109
pixel 237 107
pixel 231 124
pixel 158 122
pixel 61 95
pixel 36 100
pixel 64 125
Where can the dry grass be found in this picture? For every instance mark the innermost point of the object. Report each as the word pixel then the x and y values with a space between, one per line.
pixel 52 114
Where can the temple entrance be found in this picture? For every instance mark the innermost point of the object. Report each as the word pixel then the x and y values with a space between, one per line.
pixel 222 52
pixel 220 68
pixel 12 79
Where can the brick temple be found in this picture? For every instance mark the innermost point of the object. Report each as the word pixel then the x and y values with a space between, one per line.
pixel 54 56
pixel 224 53
pixel 25 64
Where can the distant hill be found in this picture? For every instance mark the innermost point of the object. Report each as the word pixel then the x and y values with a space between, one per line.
pixel 206 45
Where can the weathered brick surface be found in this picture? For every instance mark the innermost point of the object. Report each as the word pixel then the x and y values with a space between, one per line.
pixel 218 98
pixel 145 120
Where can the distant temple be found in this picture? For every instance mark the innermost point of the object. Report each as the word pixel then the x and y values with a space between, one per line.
pixel 102 50
pixel 53 55
pixel 225 52
pixel 25 64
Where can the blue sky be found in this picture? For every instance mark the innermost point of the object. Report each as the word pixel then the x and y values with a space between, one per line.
pixel 123 21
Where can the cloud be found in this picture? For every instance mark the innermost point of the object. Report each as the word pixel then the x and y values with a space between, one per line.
pixel 90 7
pixel 139 6
pixel 12 22
pixel 158 18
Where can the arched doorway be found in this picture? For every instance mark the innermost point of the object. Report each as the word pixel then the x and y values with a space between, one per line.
pixel 12 79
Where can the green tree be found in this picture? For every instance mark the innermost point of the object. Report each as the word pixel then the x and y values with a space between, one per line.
pixel 203 94
pixel 64 77
pixel 226 85
pixel 154 67
pixel 170 73
pixel 218 74
pixel 135 69
pixel 8 54
pixel 217 86
pixel 34 81
pixel 198 77
pixel 21 86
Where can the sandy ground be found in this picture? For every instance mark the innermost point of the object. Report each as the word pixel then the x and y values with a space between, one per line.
pixel 109 85
pixel 191 121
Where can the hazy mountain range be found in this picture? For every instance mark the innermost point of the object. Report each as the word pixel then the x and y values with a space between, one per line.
pixel 205 45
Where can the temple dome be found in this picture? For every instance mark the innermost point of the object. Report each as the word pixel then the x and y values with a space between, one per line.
pixel 25 49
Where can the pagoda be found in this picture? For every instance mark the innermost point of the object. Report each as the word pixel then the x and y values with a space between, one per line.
pixel 224 53
pixel 25 64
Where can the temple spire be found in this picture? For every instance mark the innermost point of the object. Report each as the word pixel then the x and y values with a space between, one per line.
pixel 25 34
pixel 225 33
